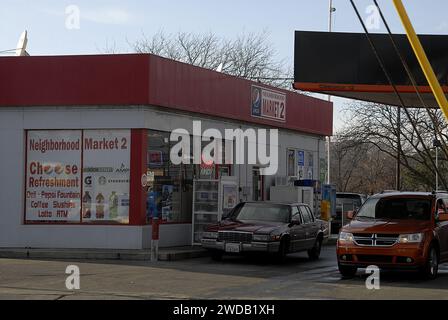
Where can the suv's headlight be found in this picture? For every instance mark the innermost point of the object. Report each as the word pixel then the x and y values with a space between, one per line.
pixel 211 235
pixel 345 237
pixel 410 238
pixel 261 237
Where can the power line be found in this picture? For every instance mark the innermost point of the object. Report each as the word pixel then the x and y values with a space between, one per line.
pixel 411 78
pixel 10 50
pixel 389 79
pixel 268 78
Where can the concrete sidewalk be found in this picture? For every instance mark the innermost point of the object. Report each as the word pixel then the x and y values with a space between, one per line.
pixel 165 254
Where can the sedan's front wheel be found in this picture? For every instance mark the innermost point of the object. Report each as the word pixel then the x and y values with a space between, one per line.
pixel 431 268
pixel 217 255
pixel 283 250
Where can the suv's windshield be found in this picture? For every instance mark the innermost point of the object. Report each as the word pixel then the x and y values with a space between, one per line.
pixel 396 208
pixel 263 212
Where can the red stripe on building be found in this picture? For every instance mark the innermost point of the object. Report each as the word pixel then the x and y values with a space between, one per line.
pixel 143 79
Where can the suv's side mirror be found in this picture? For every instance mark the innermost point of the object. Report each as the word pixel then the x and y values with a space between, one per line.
pixel 294 223
pixel 350 214
pixel 443 216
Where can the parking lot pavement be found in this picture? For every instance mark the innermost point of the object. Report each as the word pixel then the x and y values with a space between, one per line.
pixel 202 278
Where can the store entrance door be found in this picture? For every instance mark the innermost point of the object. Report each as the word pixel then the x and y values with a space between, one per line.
pixel 257 184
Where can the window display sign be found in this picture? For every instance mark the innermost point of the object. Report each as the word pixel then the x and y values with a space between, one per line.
pixel 300 158
pixel 290 162
pixel 167 202
pixel 230 194
pixel 106 174
pixel 53 176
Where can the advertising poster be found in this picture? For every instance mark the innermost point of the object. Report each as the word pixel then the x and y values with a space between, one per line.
pixel 152 200
pixel 300 158
pixel 290 162
pixel 167 202
pixel 229 196
pixel 323 169
pixel 53 176
pixel 310 165
pixel 106 175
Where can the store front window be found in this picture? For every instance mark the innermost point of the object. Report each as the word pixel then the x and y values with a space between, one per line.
pixel 77 176
pixel 169 190
pixel 170 187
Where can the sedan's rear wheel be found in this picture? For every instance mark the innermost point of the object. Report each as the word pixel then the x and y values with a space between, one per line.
pixel 314 252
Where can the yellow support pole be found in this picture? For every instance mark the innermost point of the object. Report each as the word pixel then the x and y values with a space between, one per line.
pixel 422 58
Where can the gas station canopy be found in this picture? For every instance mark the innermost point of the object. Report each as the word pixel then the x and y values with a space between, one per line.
pixel 344 64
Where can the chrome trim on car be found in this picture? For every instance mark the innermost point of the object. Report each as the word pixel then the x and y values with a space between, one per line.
pixel 235 236
pixel 373 240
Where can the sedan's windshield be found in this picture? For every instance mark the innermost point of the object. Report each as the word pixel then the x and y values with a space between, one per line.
pixel 396 208
pixel 263 212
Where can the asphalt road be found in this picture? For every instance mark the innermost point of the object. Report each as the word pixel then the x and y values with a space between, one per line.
pixel 232 278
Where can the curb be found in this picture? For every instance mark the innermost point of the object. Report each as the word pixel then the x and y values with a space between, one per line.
pixel 168 254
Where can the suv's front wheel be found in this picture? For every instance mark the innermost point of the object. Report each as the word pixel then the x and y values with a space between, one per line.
pixel 347 271
pixel 431 268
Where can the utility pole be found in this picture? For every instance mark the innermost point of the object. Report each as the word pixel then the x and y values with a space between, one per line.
pixel 398 167
pixel 330 23
pixel 436 144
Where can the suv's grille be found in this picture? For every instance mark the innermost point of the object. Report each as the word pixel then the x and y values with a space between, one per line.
pixel 374 258
pixel 375 239
pixel 230 236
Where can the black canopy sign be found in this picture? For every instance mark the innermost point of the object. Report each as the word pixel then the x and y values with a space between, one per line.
pixel 344 64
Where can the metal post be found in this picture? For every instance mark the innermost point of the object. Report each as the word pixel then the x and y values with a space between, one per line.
pixel 330 9
pixel 398 167
pixel 437 166
pixel 330 22
pixel 422 58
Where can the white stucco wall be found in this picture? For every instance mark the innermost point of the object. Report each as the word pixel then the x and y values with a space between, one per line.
pixel 14 122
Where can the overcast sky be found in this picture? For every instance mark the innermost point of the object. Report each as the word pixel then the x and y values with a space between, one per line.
pixel 117 22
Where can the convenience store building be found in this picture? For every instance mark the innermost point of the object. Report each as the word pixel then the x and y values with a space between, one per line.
pixel 85 146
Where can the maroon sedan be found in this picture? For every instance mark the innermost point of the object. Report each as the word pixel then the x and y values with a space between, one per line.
pixel 270 227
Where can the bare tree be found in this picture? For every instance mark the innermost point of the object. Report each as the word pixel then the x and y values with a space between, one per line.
pixel 249 55
pixel 376 125
pixel 360 167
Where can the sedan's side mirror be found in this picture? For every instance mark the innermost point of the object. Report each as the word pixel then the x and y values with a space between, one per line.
pixel 294 223
pixel 350 214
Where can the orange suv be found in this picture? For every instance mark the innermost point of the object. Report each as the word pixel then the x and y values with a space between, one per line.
pixel 399 230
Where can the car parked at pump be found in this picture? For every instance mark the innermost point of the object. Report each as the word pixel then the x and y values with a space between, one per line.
pixel 398 230
pixel 345 202
pixel 267 227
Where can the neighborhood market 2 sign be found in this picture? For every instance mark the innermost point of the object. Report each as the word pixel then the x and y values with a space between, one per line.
pixel 268 104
